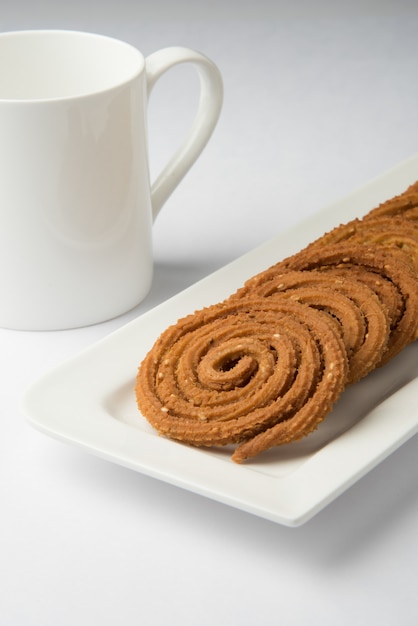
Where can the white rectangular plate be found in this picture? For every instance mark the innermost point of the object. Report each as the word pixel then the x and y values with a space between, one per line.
pixel 89 400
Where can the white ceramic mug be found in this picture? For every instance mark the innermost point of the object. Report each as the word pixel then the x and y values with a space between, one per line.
pixel 76 204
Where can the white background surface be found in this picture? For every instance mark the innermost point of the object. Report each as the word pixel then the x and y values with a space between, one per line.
pixel 319 98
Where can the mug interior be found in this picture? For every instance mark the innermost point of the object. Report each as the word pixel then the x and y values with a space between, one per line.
pixel 44 65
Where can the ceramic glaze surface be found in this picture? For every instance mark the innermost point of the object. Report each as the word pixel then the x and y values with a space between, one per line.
pixel 76 203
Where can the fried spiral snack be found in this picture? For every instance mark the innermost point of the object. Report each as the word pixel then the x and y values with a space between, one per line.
pixel 253 372
pixel 393 233
pixel 389 265
pixel 265 366
pixel 365 323
pixel 403 205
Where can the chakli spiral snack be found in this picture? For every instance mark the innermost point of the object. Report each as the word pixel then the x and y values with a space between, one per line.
pixel 386 264
pixel 265 366
pixel 403 205
pixel 393 233
pixel 253 372
pixel 365 322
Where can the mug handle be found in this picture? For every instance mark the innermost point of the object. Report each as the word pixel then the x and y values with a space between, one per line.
pixel 209 108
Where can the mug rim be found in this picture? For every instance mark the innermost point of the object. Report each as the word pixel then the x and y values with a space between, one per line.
pixel 137 69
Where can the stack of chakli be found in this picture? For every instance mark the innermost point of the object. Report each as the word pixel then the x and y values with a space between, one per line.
pixel 265 366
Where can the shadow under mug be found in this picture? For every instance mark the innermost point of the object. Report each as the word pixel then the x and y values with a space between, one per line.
pixel 76 203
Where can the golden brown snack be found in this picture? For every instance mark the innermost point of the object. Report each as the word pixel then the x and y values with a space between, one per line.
pixel 403 205
pixel 385 264
pixel 264 367
pixel 388 294
pixel 240 368
pixel 387 232
pixel 363 318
